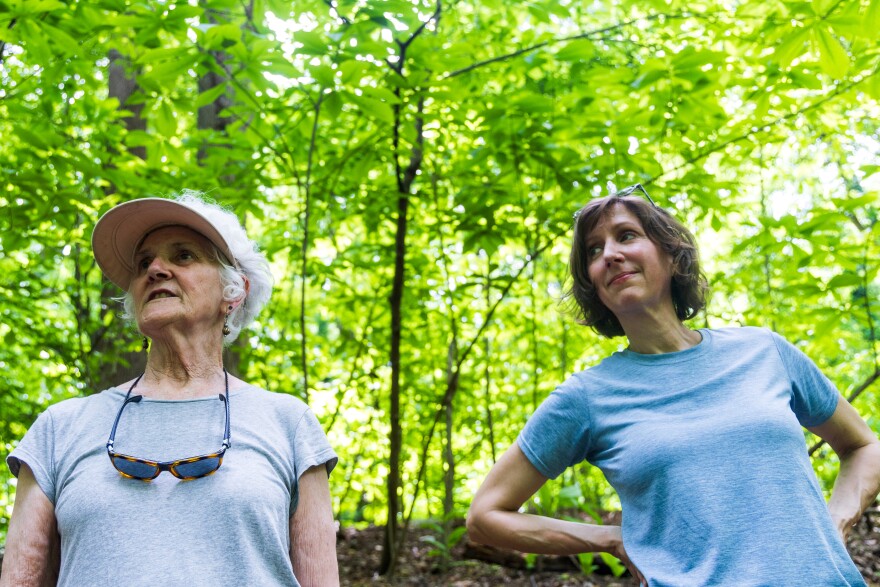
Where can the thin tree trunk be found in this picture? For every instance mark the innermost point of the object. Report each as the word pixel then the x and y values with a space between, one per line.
pixel 449 454
pixel 768 285
pixel 117 340
pixel 487 377
pixel 405 177
pixel 393 483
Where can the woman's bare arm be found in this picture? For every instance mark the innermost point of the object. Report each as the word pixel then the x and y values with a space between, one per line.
pixel 858 449
pixel 494 516
pixel 313 532
pixel 32 544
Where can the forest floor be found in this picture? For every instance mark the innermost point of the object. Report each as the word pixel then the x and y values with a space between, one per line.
pixel 359 553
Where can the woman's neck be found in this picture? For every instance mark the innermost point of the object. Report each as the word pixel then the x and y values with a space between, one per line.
pixel 659 333
pixel 183 368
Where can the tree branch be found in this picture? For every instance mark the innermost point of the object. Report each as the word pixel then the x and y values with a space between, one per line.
pixel 841 89
pixel 421 28
pixel 586 35
pixel 335 9
pixel 452 383
pixel 3 43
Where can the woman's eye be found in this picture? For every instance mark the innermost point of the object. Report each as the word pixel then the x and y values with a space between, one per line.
pixel 143 264
pixel 593 252
pixel 628 235
pixel 185 256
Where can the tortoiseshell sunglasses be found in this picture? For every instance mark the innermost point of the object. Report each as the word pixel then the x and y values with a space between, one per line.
pixel 186 469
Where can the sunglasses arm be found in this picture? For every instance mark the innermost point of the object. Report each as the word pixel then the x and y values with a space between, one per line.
pixel 132 399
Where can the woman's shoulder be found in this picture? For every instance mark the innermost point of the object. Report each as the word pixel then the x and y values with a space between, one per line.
pixel 749 335
pixel 67 416
pixel 78 404
pixel 277 400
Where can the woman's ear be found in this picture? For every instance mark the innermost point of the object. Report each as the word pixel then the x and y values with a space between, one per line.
pixel 247 289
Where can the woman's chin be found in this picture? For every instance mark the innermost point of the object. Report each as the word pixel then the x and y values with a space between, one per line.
pixel 154 325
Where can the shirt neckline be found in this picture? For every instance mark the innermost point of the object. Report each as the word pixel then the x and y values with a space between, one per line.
pixel 695 351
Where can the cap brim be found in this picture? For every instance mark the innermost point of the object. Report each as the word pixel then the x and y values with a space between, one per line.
pixel 123 228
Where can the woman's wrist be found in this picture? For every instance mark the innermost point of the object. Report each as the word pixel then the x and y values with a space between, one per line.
pixel 605 538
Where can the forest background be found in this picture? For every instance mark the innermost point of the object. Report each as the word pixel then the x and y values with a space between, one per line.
pixel 411 169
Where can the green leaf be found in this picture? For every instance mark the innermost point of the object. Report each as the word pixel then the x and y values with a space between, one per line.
pixel 373 108
pixel 871 22
pixel 208 96
pixel 183 11
pixel 534 103
pixel 381 93
pixel 324 75
pixel 36 44
pixel 848 24
pixel 821 7
pixel 332 104
pixel 222 36
pixel 313 43
pixel 166 120
pixel 40 6
pixel 352 70
pixel 570 495
pixel 844 280
pixel 617 567
pixel 577 50
pixel 855 203
pixel 62 40
pixel 649 75
pixel 31 138
pixel 872 87
pixel 833 58
pixel 791 47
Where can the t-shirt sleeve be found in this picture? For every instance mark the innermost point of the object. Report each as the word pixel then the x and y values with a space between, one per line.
pixel 557 435
pixel 813 397
pixel 36 450
pixel 310 448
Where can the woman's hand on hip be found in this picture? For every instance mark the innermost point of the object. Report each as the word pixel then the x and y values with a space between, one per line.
pixel 618 550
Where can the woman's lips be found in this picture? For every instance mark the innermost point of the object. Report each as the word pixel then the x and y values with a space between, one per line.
pixel 161 294
pixel 620 277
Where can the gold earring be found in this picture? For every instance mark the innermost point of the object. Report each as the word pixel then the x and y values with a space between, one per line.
pixel 226 329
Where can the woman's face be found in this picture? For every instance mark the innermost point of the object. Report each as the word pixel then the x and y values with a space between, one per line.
pixel 629 271
pixel 176 281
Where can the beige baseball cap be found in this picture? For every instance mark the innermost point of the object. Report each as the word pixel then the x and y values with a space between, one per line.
pixel 119 232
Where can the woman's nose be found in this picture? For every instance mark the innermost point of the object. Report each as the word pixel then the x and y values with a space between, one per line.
pixel 612 253
pixel 158 269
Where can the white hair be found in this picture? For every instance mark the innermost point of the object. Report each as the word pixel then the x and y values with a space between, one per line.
pixel 251 265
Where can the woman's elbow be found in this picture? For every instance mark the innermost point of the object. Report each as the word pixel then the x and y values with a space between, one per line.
pixel 476 525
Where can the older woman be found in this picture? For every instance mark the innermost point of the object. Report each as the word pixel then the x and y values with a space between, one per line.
pixel 699 431
pixel 185 475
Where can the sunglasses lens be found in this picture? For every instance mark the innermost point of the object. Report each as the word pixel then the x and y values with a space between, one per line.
pixel 195 469
pixel 136 469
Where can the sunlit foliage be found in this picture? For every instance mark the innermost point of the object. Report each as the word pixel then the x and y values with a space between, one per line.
pixel 755 121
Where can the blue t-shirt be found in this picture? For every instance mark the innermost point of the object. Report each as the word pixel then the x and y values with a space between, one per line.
pixel 706 452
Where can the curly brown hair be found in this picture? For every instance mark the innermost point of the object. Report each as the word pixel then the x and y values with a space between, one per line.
pixel 689 285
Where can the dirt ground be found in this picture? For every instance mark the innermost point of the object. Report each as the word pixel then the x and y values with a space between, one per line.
pixel 359 552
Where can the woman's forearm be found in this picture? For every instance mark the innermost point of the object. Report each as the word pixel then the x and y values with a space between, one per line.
pixel 542 535
pixel 856 486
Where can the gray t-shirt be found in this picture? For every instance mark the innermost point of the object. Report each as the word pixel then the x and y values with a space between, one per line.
pixel 228 529
pixel 705 448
